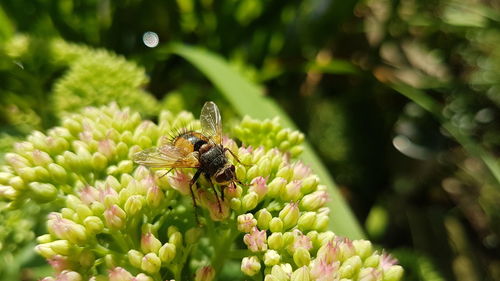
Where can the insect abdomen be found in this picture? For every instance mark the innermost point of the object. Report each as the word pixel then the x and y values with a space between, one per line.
pixel 189 141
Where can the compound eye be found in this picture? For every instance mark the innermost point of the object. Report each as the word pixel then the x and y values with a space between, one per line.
pixel 232 168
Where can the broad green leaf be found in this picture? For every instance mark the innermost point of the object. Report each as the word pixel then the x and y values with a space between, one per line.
pixel 248 99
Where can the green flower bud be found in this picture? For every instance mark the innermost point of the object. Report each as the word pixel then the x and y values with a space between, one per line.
pixel 275 241
pixel 241 172
pixel 249 201
pixel 45 251
pixel 17 183
pixel 268 277
pixel 99 161
pixel 372 261
pixel 133 204
pixel 8 192
pixel 279 273
pixel 292 191
pixel 43 192
pixel 276 225
pixel 264 217
pixel 193 235
pixel 250 265
pixel 149 243
pixel 42 239
pixel 301 274
pixel 167 252
pixel 121 150
pixel 151 263
pixel 289 215
pixel 72 125
pixel 41 158
pixel 271 257
pixel 301 257
pixel 349 268
pixel 87 258
pixel 307 221
pixel 252 172
pixel 154 196
pixel 321 223
pixel 363 248
pixel 176 239
pixel 285 172
pixel 394 273
pixel 57 173
pixel 314 201
pixel 135 258
pixel 309 184
pixel 27 174
pixel 235 204
pixel 61 247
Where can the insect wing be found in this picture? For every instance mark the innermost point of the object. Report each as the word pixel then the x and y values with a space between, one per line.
pixel 211 125
pixel 166 156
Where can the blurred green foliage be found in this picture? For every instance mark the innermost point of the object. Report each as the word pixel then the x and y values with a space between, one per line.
pixel 355 76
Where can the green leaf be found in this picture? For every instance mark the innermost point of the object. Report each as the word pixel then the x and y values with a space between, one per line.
pixel 248 99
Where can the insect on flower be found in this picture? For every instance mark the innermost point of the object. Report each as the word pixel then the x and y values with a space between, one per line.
pixel 202 150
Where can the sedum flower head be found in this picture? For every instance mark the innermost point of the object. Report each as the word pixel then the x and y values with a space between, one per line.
pixel 112 219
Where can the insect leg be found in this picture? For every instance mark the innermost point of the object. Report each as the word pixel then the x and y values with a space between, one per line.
pixel 166 173
pixel 191 182
pixel 215 192
pixel 236 157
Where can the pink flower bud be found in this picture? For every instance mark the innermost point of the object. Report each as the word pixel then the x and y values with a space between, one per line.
pixel 180 182
pixel 149 243
pixel 206 273
pixel 323 271
pixel 259 186
pixel 119 274
pixel 246 222
pixel 114 216
pixel 300 170
pixel 256 240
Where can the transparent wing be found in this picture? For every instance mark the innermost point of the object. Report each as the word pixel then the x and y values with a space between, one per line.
pixel 166 156
pixel 210 120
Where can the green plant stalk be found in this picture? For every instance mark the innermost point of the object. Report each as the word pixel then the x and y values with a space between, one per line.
pixel 248 99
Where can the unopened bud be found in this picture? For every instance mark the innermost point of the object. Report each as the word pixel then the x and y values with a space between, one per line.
pixel 43 192
pixel 149 243
pixel 133 204
pixel 167 252
pixel 264 217
pixel 306 221
pixel 151 263
pixel 275 241
pixel 249 201
pixel 206 273
pixel 271 257
pixel 250 265
pixel 350 267
pixel 394 273
pixel 301 274
pixel 301 257
pixel 289 215
pixel 246 222
pixel 135 258
pixel 276 225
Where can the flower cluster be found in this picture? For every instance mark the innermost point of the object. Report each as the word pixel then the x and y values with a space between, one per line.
pixel 115 220
pixel 269 133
